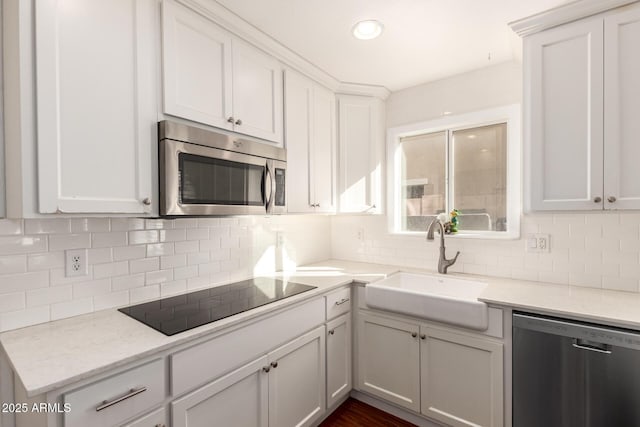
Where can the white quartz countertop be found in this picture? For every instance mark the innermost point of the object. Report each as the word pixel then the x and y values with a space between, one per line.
pixel 55 354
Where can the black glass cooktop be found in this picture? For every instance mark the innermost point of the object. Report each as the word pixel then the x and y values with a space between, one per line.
pixel 183 312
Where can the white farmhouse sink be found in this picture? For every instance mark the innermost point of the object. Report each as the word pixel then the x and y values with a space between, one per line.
pixel 435 297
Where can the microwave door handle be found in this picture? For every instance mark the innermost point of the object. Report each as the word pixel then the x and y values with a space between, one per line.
pixel 268 187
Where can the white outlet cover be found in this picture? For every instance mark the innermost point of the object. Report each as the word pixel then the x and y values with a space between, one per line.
pixel 76 262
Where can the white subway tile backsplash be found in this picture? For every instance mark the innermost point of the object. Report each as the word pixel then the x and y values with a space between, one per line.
pixel 173 288
pixel 69 241
pixel 47 226
pixel 23 281
pixel 174 235
pixel 111 300
pixel 229 242
pixel 129 252
pixel 12 302
pixel 158 249
pixel 92 288
pixel 111 269
pixel 12 245
pixel 71 308
pixel 127 282
pixel 198 258
pixel 22 318
pixel 13 264
pixel 157 224
pixel 197 233
pixel 185 223
pixel 58 277
pixel 142 237
pixel 173 261
pixel 45 261
pixel 127 224
pixel 187 247
pixel 185 272
pixel 160 276
pixel 49 295
pixel 144 293
pixel 99 255
pixel 90 225
pixel 10 226
pixel 144 265
pixel 108 240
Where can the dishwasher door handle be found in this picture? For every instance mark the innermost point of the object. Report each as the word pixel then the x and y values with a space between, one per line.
pixel 591 346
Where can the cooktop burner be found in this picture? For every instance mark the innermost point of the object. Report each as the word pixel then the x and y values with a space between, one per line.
pixel 183 312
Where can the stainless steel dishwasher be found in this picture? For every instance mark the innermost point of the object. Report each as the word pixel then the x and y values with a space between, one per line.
pixel 572 374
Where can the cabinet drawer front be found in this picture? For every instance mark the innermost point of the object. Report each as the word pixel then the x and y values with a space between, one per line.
pixel 204 362
pixel 155 419
pixel 115 399
pixel 338 302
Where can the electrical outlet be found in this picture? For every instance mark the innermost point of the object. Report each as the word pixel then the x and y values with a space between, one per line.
pixel 360 234
pixel 76 262
pixel 538 243
pixel 279 239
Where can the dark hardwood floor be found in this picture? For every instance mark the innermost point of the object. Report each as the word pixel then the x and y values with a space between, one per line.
pixel 354 413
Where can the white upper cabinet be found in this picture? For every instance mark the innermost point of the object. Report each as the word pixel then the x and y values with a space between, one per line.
pixel 96 105
pixel 214 78
pixel 622 110
pixel 361 134
pixel 197 67
pixel 310 141
pixel 581 109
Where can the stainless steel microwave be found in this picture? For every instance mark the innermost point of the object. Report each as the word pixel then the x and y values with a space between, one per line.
pixel 210 173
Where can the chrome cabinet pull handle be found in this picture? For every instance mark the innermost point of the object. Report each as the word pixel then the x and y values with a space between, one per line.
pixel 331 332
pixel 423 336
pixel 342 301
pixel 611 199
pixel 146 201
pixel 231 119
pixel 598 348
pixel 266 368
pixel 238 122
pixel 107 403
pixel 414 334
pixel 597 199
pixel 274 364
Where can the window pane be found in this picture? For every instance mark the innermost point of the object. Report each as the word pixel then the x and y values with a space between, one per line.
pixel 480 177
pixel 423 183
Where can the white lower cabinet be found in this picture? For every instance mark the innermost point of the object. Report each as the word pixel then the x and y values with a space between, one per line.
pixel 297 381
pixel 389 360
pixel 239 398
pixel 461 378
pixel 450 376
pixel 155 419
pixel 284 388
pixel 338 359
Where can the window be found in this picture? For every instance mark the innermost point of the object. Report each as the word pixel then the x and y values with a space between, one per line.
pixel 470 163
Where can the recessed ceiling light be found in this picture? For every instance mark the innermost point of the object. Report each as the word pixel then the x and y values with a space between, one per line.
pixel 446 113
pixel 472 136
pixel 367 30
pixel 484 150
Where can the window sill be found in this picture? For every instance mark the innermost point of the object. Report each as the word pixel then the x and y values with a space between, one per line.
pixel 486 235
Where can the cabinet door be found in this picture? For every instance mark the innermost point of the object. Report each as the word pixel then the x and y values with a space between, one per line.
pixel 96 105
pixel 297 381
pixel 389 360
pixel 622 109
pixel 196 65
pixel 461 379
pixel 361 130
pixel 298 112
pixel 564 117
pixel 324 149
pixel 157 418
pixel 338 358
pixel 257 93
pixel 237 399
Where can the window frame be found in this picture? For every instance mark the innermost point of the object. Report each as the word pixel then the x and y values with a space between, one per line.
pixel 510 115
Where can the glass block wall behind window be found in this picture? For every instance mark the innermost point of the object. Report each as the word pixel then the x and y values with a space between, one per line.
pixel 471 178
pixel 480 177
pixel 423 179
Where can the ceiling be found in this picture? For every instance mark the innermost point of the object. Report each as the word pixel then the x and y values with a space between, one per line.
pixel 423 40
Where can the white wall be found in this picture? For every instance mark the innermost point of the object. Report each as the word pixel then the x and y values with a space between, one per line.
pixel 596 249
pixel 133 259
pixel 488 87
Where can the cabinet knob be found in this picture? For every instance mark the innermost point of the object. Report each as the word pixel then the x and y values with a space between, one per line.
pixel 423 336
pixel 414 334
pixel 611 199
pixel 597 199
pixel 266 368
pixel 274 364
pixel 146 201
pixel 331 332
pixel 231 119
pixel 238 122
